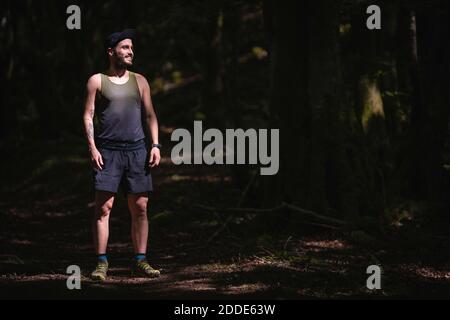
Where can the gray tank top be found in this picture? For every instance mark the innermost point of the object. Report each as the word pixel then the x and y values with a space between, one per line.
pixel 119 111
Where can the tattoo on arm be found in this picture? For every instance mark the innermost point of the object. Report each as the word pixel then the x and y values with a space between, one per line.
pixel 90 124
pixel 90 130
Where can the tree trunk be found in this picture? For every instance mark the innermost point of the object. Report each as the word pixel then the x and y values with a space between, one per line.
pixel 213 103
pixel 305 105
pixel 288 100
pixel 430 112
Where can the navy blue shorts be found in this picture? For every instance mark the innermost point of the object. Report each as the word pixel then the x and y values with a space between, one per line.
pixel 127 170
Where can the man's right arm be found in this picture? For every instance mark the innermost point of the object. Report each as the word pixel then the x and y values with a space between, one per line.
pixel 92 86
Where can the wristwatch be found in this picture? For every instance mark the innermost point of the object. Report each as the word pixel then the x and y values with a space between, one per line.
pixel 156 145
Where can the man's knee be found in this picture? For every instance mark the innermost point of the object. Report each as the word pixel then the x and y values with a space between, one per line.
pixel 103 210
pixel 139 207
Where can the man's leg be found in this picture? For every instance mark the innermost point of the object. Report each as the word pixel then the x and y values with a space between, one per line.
pixel 100 225
pixel 137 204
pixel 100 229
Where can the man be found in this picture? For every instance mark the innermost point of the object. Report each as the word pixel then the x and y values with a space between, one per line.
pixel 120 157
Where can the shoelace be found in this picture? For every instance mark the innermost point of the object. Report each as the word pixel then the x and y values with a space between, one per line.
pixel 102 267
pixel 145 266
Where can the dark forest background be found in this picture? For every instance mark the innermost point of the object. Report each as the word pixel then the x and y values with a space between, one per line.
pixel 364 139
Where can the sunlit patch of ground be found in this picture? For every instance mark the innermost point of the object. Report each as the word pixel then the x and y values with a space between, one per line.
pixel 327 244
pixel 426 272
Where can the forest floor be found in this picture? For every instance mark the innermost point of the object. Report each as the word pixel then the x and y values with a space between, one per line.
pixel 46 206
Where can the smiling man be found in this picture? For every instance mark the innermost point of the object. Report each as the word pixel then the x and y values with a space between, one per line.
pixel 120 157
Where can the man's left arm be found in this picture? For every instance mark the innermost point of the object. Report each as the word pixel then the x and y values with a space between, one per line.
pixel 150 120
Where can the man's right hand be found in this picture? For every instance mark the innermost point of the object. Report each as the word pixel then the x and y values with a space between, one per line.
pixel 96 159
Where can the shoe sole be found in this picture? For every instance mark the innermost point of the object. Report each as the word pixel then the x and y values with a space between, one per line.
pixel 144 275
pixel 98 278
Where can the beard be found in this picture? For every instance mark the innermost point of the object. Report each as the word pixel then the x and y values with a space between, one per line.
pixel 123 62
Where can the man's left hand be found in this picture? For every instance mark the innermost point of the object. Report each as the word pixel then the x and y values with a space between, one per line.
pixel 155 157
